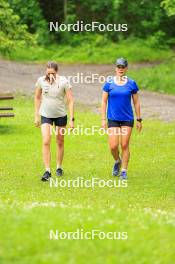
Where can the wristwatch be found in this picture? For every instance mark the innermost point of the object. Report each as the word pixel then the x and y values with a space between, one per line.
pixel 139 119
pixel 73 119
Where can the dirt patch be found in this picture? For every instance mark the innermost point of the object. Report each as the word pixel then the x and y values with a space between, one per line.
pixel 20 78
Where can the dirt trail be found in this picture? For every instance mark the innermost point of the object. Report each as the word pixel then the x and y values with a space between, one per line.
pixel 20 78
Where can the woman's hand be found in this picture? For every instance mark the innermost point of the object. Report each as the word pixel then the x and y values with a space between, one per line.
pixel 37 121
pixel 103 123
pixel 139 126
pixel 71 125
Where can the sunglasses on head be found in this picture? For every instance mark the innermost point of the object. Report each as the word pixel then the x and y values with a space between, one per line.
pixel 121 67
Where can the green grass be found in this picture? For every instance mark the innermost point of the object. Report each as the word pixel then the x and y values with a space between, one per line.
pixel 158 78
pixel 145 209
pixel 96 51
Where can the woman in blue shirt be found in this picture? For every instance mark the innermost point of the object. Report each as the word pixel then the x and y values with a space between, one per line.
pixel 116 98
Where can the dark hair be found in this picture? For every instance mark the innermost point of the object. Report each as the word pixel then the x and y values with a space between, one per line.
pixel 52 65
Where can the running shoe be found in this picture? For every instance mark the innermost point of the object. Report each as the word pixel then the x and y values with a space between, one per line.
pixel 59 172
pixel 123 175
pixel 46 176
pixel 116 168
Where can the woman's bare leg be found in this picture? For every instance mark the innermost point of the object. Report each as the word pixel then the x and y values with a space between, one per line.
pixel 113 139
pixel 60 146
pixel 125 138
pixel 46 136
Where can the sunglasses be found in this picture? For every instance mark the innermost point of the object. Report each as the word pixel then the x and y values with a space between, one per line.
pixel 121 67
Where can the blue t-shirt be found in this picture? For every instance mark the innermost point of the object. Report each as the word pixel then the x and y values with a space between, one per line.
pixel 119 100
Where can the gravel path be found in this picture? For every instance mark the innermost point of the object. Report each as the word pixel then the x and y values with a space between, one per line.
pixel 20 78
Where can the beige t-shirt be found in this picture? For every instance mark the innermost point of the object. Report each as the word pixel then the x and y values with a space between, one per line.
pixel 53 104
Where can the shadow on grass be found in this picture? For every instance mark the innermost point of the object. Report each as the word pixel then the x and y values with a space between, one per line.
pixel 7 129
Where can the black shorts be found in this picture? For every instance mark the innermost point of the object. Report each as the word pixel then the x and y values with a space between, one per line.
pixel 112 123
pixel 58 121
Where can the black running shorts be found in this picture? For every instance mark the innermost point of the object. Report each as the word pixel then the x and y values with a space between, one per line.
pixel 58 121
pixel 112 123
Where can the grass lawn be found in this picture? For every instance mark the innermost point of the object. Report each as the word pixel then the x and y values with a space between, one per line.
pixel 159 78
pixel 93 51
pixel 30 208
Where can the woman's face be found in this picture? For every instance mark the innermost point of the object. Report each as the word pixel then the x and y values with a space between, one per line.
pixel 51 73
pixel 121 70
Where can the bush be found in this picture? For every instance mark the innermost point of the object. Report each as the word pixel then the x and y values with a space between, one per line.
pixel 13 34
pixel 157 40
pixel 31 15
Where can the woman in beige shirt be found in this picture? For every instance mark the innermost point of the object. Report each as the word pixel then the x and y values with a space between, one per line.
pixel 50 109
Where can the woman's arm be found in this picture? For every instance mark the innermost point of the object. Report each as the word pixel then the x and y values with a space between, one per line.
pixel 71 106
pixel 37 102
pixel 136 102
pixel 103 108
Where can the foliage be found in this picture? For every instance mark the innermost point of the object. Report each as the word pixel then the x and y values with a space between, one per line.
pixel 152 20
pixel 12 33
pixel 169 6
pixel 30 14
pixel 95 49
pixel 144 18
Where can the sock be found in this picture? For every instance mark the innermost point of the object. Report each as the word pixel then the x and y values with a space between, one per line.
pixel 48 169
pixel 59 167
pixel 117 161
pixel 124 169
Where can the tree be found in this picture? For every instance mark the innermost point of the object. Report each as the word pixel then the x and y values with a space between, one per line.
pixel 12 33
pixel 30 14
pixel 169 6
